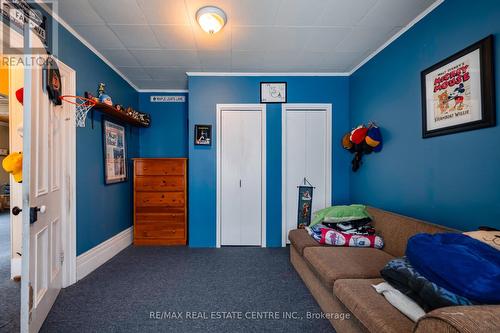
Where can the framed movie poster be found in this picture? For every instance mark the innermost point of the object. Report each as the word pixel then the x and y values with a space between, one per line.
pixel 458 92
pixel 304 207
pixel 273 92
pixel 115 152
pixel 203 135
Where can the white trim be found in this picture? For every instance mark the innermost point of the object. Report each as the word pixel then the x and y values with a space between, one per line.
pixel 264 74
pixel 87 262
pixel 15 267
pixel 163 90
pixel 72 31
pixel 242 107
pixel 398 34
pixel 329 166
pixel 69 229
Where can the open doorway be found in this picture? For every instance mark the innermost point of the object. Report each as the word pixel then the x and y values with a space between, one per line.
pixel 10 194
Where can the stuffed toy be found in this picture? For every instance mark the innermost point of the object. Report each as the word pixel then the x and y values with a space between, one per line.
pixel 362 140
pixel 13 164
pixel 20 95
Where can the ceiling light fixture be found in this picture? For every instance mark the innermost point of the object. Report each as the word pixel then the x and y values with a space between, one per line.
pixel 211 19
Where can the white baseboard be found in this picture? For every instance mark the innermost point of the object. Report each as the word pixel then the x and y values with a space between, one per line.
pixel 15 267
pixel 87 262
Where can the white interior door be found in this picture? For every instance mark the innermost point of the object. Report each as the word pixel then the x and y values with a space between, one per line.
pixel 241 142
pixel 306 153
pixel 42 190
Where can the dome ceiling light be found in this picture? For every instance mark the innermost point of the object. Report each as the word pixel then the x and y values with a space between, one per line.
pixel 211 19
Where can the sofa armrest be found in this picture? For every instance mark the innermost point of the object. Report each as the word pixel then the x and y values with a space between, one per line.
pixel 461 319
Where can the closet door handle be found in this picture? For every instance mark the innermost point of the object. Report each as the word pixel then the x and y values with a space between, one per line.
pixel 240 182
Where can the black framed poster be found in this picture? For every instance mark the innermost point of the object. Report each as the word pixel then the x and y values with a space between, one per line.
pixel 273 92
pixel 458 93
pixel 115 152
pixel 304 206
pixel 203 135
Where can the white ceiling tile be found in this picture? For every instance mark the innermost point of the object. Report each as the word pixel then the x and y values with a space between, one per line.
pixel 300 12
pixel 135 73
pixel 254 12
pixel 362 39
pixel 345 13
pixel 269 38
pixel 160 84
pixel 394 12
pixel 164 58
pixel 211 59
pixel 175 37
pixel 166 73
pixel 100 36
pixel 78 12
pixel 119 11
pixel 325 38
pixel 136 36
pixel 164 12
pixel 119 57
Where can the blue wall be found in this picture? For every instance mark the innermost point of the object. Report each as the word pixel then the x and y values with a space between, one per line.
pixel 167 136
pixel 453 179
pixel 102 210
pixel 205 93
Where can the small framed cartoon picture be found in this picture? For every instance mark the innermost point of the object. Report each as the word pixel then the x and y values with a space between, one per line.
pixel 273 92
pixel 458 92
pixel 203 135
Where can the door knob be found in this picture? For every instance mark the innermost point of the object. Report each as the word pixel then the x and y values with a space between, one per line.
pixel 16 210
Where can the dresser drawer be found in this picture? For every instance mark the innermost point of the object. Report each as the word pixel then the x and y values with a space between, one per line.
pixel 165 218
pixel 159 183
pixel 166 199
pixel 160 167
pixel 152 230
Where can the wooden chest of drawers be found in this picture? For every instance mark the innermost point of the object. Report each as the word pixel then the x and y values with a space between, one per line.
pixel 160 201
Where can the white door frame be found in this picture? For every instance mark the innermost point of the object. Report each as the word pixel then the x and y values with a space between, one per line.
pixel 328 167
pixel 68 231
pixel 241 107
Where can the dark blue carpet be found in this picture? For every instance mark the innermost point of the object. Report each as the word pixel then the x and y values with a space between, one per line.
pixel 145 282
pixel 9 290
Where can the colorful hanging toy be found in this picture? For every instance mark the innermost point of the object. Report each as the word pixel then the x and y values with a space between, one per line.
pixel 13 164
pixel 362 140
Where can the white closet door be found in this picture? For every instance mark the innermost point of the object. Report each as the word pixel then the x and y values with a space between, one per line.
pixel 230 169
pixel 241 184
pixel 251 178
pixel 306 154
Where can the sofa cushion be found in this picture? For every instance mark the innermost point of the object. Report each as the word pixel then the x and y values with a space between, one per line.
pixel 371 308
pixel 333 263
pixel 300 239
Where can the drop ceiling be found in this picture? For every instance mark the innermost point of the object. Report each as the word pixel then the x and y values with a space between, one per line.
pixel 153 43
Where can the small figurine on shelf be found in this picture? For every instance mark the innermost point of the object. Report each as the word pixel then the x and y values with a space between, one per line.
pixel 103 98
pixel 118 107
pixel 90 96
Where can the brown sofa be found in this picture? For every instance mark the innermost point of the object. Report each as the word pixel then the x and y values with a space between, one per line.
pixel 341 279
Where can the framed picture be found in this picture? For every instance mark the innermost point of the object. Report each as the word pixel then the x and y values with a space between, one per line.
pixel 273 92
pixel 203 135
pixel 115 152
pixel 458 93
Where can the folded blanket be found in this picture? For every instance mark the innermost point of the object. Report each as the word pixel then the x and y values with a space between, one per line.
pixel 338 238
pixel 400 301
pixel 315 231
pixel 403 276
pixel 459 263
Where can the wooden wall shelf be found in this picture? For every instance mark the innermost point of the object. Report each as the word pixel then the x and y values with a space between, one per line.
pixel 110 110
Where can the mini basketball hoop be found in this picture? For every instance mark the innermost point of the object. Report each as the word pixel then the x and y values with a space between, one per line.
pixel 82 107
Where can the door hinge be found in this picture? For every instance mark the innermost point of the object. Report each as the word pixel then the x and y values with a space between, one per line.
pixel 62 257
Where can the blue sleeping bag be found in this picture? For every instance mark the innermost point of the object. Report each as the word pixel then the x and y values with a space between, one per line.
pixel 459 263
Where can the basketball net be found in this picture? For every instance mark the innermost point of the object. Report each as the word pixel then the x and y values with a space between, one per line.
pixel 82 107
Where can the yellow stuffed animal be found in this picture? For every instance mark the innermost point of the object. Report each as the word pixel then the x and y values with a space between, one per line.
pixel 13 164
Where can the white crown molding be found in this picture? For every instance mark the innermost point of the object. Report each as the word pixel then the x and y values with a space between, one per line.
pixel 399 33
pixel 87 262
pixel 72 31
pixel 263 74
pixel 175 91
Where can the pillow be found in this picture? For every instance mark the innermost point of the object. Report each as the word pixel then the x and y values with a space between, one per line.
pixel 336 214
pixel 338 238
